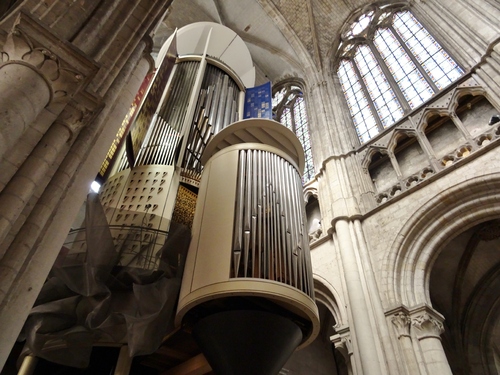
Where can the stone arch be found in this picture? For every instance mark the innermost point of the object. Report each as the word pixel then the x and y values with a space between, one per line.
pixel 310 191
pixel 428 114
pixel 396 137
pixel 460 92
pixel 290 81
pixel 409 262
pixel 326 294
pixel 370 153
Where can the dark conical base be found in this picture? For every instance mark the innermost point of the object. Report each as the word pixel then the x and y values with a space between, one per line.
pixel 247 342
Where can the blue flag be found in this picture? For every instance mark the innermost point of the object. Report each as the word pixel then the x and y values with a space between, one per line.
pixel 258 102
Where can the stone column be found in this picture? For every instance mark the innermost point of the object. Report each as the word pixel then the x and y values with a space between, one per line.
pixel 428 328
pixel 39 240
pixel 401 322
pixel 19 191
pixel 24 93
pixel 461 127
pixel 29 177
pixel 427 148
pixel 362 327
pixel 395 164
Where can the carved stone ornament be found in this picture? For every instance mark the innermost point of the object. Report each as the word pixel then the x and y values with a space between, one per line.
pixel 427 326
pixel 74 117
pixel 402 323
pixel 64 68
pixel 315 235
pixel 343 345
pixel 18 48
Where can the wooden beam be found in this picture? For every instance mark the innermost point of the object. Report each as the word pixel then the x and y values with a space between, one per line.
pixel 197 365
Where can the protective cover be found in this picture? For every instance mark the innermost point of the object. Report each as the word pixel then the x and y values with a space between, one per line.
pixel 95 300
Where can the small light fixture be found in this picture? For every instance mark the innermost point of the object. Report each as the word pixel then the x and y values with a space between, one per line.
pixel 95 186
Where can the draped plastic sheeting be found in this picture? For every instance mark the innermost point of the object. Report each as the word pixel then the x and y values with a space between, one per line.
pixel 86 302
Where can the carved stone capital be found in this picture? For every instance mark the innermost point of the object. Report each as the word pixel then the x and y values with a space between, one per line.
pixel 343 344
pixel 402 323
pixel 65 69
pixel 427 326
pixel 73 118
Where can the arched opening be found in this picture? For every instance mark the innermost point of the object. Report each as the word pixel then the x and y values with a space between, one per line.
pixel 313 213
pixel 443 135
pixel 382 172
pixel 410 156
pixel 475 113
pixel 447 256
pixel 321 357
pixel 464 286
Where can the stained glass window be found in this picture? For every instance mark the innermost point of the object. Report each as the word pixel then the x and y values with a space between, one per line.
pixel 389 64
pixel 289 109
pixel 382 95
pixel 442 69
pixel 360 25
pixel 414 87
pixel 364 122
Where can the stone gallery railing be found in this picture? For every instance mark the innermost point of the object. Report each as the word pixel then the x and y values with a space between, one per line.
pixel 448 130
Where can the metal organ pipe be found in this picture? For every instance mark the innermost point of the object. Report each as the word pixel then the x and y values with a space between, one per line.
pixel 215 109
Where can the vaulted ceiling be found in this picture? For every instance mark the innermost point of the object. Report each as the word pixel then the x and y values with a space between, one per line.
pixel 285 37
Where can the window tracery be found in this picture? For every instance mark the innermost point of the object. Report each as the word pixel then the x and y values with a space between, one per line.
pixel 289 108
pixel 388 65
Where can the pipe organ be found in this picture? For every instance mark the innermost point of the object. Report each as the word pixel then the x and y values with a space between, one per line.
pixel 248 275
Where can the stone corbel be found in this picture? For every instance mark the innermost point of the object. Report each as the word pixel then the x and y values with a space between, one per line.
pixel 426 322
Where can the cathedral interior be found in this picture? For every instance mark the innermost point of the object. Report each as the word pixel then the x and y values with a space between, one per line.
pixel 250 187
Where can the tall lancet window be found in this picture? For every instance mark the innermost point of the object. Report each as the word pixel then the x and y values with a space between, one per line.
pixel 389 64
pixel 289 108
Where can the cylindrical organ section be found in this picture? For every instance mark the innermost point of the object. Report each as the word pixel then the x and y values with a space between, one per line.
pixel 249 237
pixel 268 236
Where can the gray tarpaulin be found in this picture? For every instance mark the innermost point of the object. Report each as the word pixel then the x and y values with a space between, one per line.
pixel 95 300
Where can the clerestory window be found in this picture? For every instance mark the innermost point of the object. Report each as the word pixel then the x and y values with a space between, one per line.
pixel 389 64
pixel 289 108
